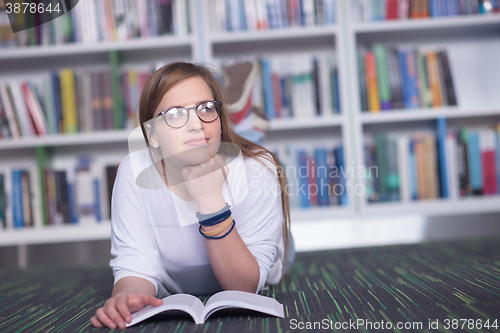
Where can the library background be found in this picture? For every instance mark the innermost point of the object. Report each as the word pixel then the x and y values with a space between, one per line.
pixel 398 99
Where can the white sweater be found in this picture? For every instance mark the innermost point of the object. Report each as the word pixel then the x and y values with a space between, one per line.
pixel 155 233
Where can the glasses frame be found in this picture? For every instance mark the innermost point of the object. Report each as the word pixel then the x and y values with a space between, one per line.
pixel 195 108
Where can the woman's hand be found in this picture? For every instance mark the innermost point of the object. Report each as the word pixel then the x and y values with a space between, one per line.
pixel 117 309
pixel 204 182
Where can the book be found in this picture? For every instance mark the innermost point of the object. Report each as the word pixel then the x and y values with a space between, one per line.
pixel 221 300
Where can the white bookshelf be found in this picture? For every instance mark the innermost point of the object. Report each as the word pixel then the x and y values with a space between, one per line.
pixel 349 127
pixel 473 46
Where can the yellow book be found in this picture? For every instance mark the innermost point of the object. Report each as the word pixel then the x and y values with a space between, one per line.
pixel 371 83
pixel 434 79
pixel 68 100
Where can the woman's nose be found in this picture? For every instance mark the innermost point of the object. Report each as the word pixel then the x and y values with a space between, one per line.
pixel 194 123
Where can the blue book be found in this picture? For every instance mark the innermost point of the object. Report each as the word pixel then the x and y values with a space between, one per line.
pixel 339 162
pixel 97 196
pixel 432 8
pixel 497 153
pixel 302 14
pixel 267 86
pixel 56 96
pixel 303 176
pixel 441 138
pixel 405 79
pixel 322 176
pixel 17 199
pixel 475 164
pixel 243 17
pixel 73 216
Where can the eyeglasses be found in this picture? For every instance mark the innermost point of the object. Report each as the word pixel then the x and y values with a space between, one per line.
pixel 178 116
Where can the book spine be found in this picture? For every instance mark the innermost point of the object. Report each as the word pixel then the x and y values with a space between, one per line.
pixel 380 53
pixel 362 81
pixel 340 164
pixel 303 190
pixel 268 88
pixel 371 82
pixel 17 199
pixel 68 100
pixel 474 162
pixel 443 167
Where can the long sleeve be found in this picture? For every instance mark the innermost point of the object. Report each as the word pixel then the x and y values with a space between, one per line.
pixel 132 242
pixel 260 219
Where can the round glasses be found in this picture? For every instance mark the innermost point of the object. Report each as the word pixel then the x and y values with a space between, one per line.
pixel 178 116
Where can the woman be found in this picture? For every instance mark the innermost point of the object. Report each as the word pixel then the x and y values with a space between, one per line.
pixel 215 222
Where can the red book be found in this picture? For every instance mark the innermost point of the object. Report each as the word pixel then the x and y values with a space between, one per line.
pixel 313 189
pixel 489 172
pixel 277 94
pixel 392 9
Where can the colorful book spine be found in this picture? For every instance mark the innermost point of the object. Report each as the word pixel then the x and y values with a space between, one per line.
pixel 380 53
pixel 443 167
pixel 372 83
pixel 17 199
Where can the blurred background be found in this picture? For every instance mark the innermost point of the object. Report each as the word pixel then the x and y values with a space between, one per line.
pixel 385 114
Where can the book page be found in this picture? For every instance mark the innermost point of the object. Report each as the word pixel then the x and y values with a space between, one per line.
pixel 184 302
pixel 243 300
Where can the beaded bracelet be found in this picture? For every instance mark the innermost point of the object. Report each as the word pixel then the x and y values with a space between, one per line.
pixel 202 217
pixel 214 237
pixel 216 219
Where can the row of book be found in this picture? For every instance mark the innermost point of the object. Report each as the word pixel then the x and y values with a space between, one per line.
pixel 70 101
pixel 380 10
pixel 251 15
pixel 72 195
pixel 93 21
pixel 316 176
pixel 300 85
pixel 404 78
pixel 449 164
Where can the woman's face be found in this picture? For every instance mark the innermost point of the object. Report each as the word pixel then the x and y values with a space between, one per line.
pixel 196 141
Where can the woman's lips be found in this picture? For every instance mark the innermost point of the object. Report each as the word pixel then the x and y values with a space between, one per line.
pixel 197 142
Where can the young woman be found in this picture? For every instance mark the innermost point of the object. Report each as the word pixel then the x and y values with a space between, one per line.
pixel 213 213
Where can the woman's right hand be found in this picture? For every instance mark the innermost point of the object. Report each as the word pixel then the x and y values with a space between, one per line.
pixel 117 309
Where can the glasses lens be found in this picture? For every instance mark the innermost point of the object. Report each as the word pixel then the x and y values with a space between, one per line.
pixel 208 111
pixel 176 117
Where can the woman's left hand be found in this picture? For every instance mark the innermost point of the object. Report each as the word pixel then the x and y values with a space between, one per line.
pixel 204 182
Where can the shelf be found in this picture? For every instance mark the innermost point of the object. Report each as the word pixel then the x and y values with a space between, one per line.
pixel 437 207
pixel 56 234
pixel 76 139
pixel 305 123
pixel 37 51
pixel 444 22
pixel 285 33
pixel 319 213
pixel 423 114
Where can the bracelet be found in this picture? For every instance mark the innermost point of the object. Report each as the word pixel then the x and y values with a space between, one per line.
pixel 202 217
pixel 216 219
pixel 213 237
pixel 219 229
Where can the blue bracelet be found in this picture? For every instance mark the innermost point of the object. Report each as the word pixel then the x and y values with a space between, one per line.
pixel 202 217
pixel 216 219
pixel 214 237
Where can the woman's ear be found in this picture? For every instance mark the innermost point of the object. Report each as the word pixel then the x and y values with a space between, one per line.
pixel 153 142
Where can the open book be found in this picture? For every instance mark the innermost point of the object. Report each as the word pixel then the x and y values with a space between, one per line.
pixel 221 300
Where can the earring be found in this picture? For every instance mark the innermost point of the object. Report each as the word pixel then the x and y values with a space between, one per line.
pixel 154 144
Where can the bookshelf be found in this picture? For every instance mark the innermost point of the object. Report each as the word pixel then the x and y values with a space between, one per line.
pixel 475 79
pixel 466 38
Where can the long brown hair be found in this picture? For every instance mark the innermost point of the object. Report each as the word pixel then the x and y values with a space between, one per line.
pixel 168 76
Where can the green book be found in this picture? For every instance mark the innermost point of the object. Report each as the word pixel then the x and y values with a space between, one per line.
pixel 423 83
pixel 41 156
pixel 114 64
pixel 383 76
pixel 382 164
